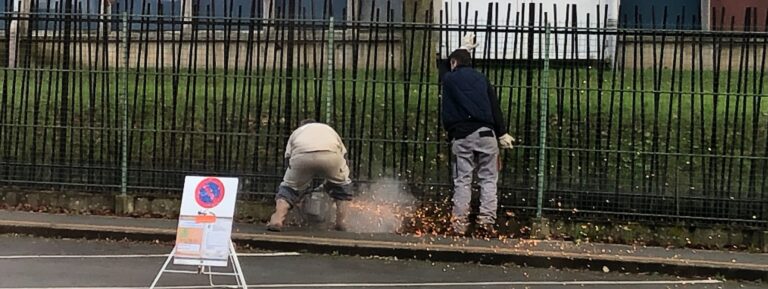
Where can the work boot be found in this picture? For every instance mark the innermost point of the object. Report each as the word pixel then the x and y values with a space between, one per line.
pixel 486 231
pixel 458 228
pixel 457 232
pixel 341 215
pixel 276 221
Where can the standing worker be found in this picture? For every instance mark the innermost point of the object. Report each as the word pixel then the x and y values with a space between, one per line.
pixel 473 120
pixel 313 149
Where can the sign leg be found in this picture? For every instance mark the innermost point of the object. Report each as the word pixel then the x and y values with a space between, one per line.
pixel 236 264
pixel 234 270
pixel 165 265
pixel 210 276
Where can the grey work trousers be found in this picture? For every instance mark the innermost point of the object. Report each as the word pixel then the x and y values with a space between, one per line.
pixel 474 153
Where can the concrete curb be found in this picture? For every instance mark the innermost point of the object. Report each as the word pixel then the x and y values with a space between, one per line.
pixel 423 251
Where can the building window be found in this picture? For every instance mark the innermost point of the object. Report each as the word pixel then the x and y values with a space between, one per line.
pixel 47 14
pixel 217 14
pixel 649 14
pixel 153 12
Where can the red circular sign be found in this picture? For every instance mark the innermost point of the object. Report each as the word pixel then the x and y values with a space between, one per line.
pixel 209 192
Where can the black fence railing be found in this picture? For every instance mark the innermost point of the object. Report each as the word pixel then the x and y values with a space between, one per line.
pixel 664 124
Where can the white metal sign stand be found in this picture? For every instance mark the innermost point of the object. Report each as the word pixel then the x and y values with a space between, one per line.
pixel 203 236
pixel 237 271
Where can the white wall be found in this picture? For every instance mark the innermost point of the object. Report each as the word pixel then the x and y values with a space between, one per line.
pixel 588 46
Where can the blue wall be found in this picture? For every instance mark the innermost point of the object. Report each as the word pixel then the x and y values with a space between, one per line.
pixel 687 10
pixel 228 8
pixel 88 8
pixel 395 5
pixel 3 10
pixel 313 9
pixel 222 10
pixel 148 8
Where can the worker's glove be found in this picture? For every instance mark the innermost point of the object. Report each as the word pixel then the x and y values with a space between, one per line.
pixel 468 42
pixel 506 141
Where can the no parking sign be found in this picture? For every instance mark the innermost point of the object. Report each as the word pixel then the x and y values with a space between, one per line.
pixel 205 222
pixel 209 192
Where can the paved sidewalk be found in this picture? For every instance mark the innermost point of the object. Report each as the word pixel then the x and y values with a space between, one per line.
pixel 559 254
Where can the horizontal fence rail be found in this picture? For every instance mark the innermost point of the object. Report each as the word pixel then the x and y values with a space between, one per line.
pixel 661 123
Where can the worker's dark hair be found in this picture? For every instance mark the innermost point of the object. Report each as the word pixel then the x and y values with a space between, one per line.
pixel 461 56
pixel 307 121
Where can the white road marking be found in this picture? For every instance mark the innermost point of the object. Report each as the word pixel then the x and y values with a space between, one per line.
pixel 502 283
pixel 11 257
pixel 427 284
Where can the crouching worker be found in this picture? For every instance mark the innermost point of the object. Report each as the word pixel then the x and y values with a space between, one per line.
pixel 314 149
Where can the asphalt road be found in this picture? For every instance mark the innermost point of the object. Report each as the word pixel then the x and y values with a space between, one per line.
pixel 29 262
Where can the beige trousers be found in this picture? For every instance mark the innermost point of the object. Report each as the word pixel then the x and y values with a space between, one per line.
pixel 304 167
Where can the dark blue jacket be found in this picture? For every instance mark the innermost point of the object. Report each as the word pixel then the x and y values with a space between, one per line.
pixel 469 103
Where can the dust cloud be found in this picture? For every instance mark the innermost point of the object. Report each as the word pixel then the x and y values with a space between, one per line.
pixel 382 207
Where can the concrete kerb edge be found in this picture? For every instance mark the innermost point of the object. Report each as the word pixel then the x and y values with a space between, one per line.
pixel 300 244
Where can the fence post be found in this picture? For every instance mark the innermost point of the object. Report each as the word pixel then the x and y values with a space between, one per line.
pixel 124 159
pixel 331 63
pixel 543 112
pixel 124 111
pixel 541 227
pixel 123 203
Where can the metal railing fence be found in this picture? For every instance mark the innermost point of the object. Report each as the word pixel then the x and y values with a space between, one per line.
pixel 663 124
